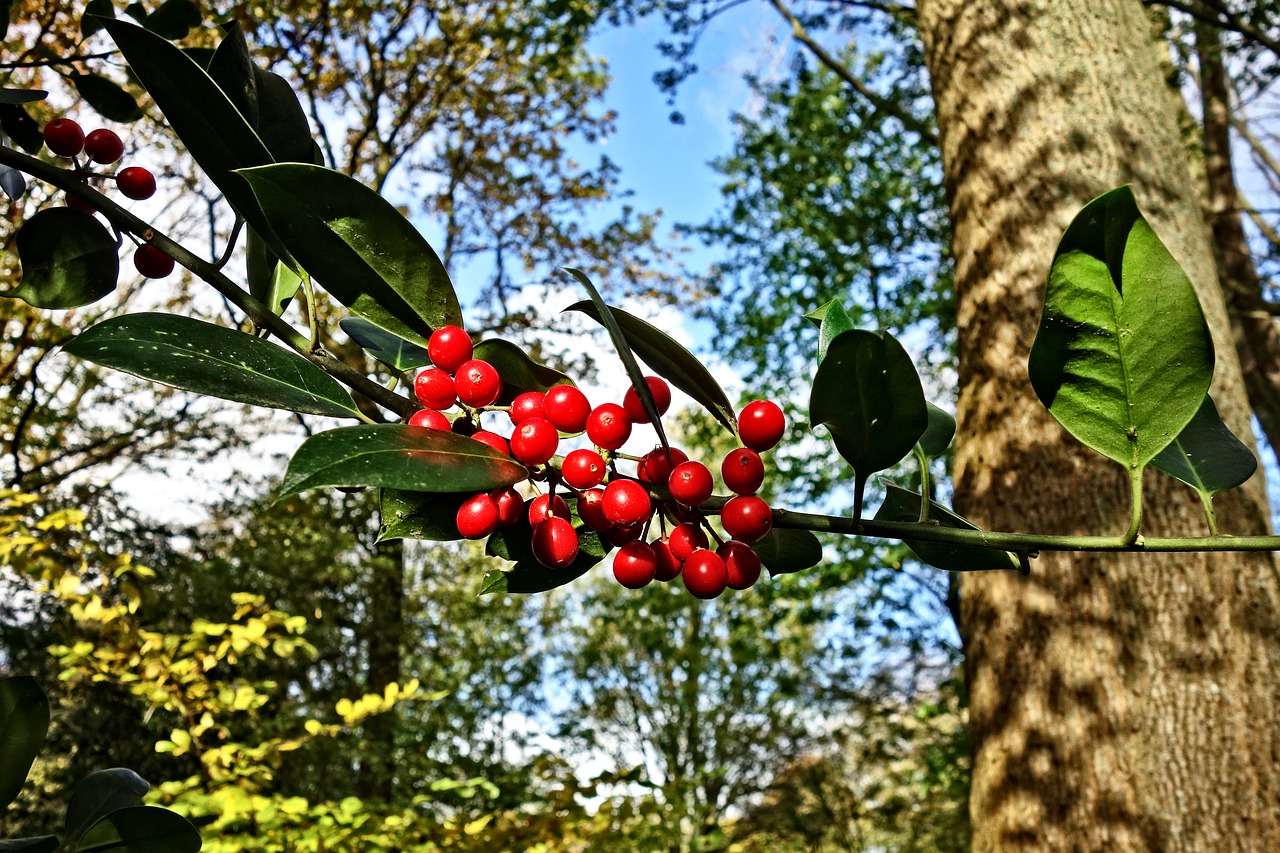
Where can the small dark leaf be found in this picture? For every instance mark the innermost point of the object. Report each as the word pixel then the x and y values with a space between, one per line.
pixel 1206 455
pixel 22 96
pixel 68 259
pixel 390 349
pixel 902 505
pixel 37 844
pixel 12 182
pixel 420 515
pixel 141 829
pixel 174 19
pixel 19 126
pixel 529 576
pixel 282 124
pixel 519 372
pixel 832 320
pixel 94 9
pixel 24 722
pixel 137 11
pixel 107 98
pixel 6 9
pixel 937 436
pixel 784 551
pixel 398 456
pixel 98 795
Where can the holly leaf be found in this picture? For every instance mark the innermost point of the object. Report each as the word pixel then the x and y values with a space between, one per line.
pixel 519 372
pixel 98 795
pixel 24 722
pixel 832 320
pixel 68 259
pixel 107 98
pixel 420 515
pixel 174 19
pixel 903 505
pixel 529 576
pixel 783 551
pixel 939 433
pixel 19 126
pixel 141 829
pixel 390 349
pixel 1206 455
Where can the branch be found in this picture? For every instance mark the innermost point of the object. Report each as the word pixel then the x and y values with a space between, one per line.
pixel 1224 19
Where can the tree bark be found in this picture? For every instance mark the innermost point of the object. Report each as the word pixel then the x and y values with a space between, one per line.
pixel 1119 702
pixel 385 633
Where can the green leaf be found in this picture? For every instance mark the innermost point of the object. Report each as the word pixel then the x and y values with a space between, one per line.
pixel 24 722
pixel 141 829
pixel 390 349
pixel 420 515
pixel 868 395
pixel 233 70
pixel 22 96
pixel 208 359
pixel 19 126
pixel 356 244
pixel 137 11
pixel 784 551
pixel 939 433
pixel 398 456
pixel 174 19
pixel 670 360
pixel 832 320
pixel 282 124
pixel 519 372
pixel 529 576
pixel 270 281
pixel 1206 455
pixel 36 844
pixel 94 9
pixel 98 795
pixel 12 182
pixel 108 99
pixel 68 259
pixel 6 10
pixel 1123 356
pixel 903 505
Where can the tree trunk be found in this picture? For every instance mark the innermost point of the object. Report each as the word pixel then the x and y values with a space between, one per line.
pixel 385 632
pixel 1118 702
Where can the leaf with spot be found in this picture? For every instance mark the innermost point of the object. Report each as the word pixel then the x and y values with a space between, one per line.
pixel 420 515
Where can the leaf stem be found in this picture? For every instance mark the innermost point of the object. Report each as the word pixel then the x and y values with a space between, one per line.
pixel 1135 511
pixel 1206 500
pixel 926 490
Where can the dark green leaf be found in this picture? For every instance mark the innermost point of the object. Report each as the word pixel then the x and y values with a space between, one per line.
pixel 392 350
pixel 24 721
pixel 937 436
pixel 233 70
pixel 22 96
pixel 141 829
pixel 519 372
pixel 282 124
pixel 832 320
pixel 137 11
pixel 6 9
pixel 12 182
pixel 1206 455
pixel 529 576
pixel 868 395
pixel 94 9
pixel 358 246
pixel 98 795
pixel 208 359
pixel 902 505
pixel 420 515
pixel 271 282
pixel 398 456
pixel 784 551
pixel 201 56
pixel 669 360
pixel 37 844
pixel 108 99
pixel 68 259
pixel 1123 356
pixel 19 126
pixel 174 19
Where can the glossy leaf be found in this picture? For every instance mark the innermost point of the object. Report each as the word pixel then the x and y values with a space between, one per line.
pixel 174 19
pixel 281 123
pixel 358 246
pixel 24 722
pixel 903 505
pixel 98 795
pixel 939 433
pixel 141 829
pixel 783 551
pixel 832 320
pixel 68 259
pixel 35 844
pixel 519 372
pixel 19 126
pixel 390 349
pixel 270 281
pixel 208 359
pixel 1206 455
pixel 93 10
pixel 667 358
pixel 420 515
pixel 107 98
pixel 398 456
pixel 1123 356
pixel 231 68
pixel 868 395
pixel 22 96
pixel 529 576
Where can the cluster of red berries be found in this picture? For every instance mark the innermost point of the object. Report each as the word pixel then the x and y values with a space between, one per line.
pixel 667 485
pixel 66 138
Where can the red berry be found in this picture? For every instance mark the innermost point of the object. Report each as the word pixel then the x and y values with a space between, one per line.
pixel 64 137
pixel 635 565
pixel 449 348
pixel 658 389
pixel 555 543
pixel 583 468
pixel 608 426
pixel 746 518
pixel 761 424
pixel 627 502
pixel 618 536
pixel 742 471
pixel 434 389
pixel 591 510
pixel 530 404
pixel 478 383
pixel 103 146
pixel 742 563
pixel 705 575
pixel 492 439
pixel 510 505
pixel 151 262
pixel 542 507
pixel 669 565
pixel 534 441
pixel 567 408
pixel 655 467
pixel 136 183
pixel 431 419
pixel 690 483
pixel 478 516
pixel 686 538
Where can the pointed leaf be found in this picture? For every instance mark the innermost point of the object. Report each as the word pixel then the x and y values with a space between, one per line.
pixel 93 10
pixel 282 124
pixel 108 99
pixel 784 551
pixel 356 244
pixel 141 829
pixel 832 320
pixel 390 349
pixel 19 126
pixel 98 795
pixel 868 395
pixel 1206 455
pixel 670 360
pixel 420 515
pixel 68 259
pixel 174 19
pixel 1123 356
pixel 24 722
pixel 519 372
pixel 208 359
pixel 941 430
pixel 902 505
pixel 529 576
pixel 36 844
pixel 232 69
pixel 270 281
pixel 12 182
pixel 22 96
pixel 398 456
